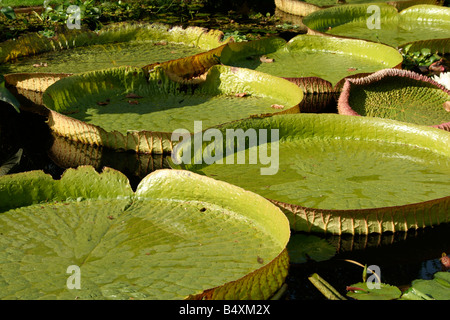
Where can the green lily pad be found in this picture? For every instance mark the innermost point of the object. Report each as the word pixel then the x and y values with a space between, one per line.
pixel 305 7
pixel 303 247
pixel 417 23
pixel 127 109
pixel 333 173
pixel 113 46
pixel 328 58
pixel 361 291
pixel 436 289
pixel 180 235
pixel 397 94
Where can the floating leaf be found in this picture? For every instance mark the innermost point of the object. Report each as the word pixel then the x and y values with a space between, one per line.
pixel 167 240
pixel 396 28
pixel 169 103
pixel 327 58
pixel 436 289
pixel 377 291
pixel 323 170
pixel 303 8
pixel 121 44
pixel 396 94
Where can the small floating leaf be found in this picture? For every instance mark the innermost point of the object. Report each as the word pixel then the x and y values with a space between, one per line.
pixel 377 291
pixel 436 289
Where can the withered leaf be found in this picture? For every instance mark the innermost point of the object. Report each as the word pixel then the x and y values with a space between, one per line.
pixel 133 96
pixel 39 65
pixel 264 59
pixel 103 103
pixel 447 106
pixel 133 102
pixel 277 106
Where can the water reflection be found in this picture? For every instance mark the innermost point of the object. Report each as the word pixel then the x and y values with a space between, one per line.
pixel 292 19
pixel 44 150
pixel 69 154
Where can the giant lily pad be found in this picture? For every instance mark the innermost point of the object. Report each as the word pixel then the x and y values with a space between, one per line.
pixel 417 23
pixel 305 7
pixel 331 59
pixel 333 173
pixel 127 109
pixel 178 236
pixel 397 94
pixel 113 46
